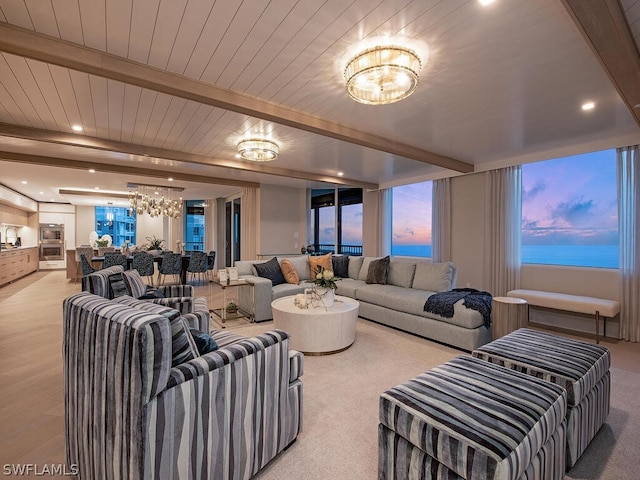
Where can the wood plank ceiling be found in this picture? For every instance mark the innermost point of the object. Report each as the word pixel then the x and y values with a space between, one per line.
pixel 173 85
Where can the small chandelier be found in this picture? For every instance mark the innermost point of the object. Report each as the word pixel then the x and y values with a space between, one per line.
pixel 258 149
pixel 383 74
pixel 154 201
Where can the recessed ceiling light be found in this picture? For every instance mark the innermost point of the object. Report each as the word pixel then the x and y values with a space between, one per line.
pixel 237 155
pixel 96 188
pixel 41 193
pixel 170 179
pixel 588 106
pixel 91 170
pixel 340 174
pixel 484 3
pixel 24 182
pixel 76 128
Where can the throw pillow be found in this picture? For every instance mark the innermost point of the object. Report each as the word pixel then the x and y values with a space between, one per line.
pixel 134 282
pixel 364 270
pixel 340 266
pixel 433 277
pixel 117 285
pixel 378 271
pixel 183 346
pixel 270 270
pixel 321 261
pixel 289 271
pixel 355 265
pixel 150 293
pixel 204 341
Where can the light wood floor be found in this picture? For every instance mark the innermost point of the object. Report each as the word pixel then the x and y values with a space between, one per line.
pixel 31 392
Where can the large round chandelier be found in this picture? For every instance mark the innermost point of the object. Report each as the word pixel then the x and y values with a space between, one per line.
pixel 258 149
pixel 383 74
pixel 154 201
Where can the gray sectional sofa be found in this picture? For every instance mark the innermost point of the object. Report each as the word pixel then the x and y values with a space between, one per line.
pixel 399 303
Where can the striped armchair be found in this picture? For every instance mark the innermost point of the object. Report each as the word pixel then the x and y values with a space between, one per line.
pixel 130 415
pixel 180 297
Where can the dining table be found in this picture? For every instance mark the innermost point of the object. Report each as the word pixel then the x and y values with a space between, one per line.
pixel 157 259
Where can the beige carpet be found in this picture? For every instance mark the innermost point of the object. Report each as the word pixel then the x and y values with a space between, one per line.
pixel 341 391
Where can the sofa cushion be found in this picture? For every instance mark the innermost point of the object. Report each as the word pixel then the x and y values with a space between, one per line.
pixel 409 300
pixel 286 289
pixel 433 277
pixel 134 282
pixel 401 274
pixel 347 287
pixel 355 264
pixel 270 270
pixel 183 346
pixel 364 270
pixel 340 265
pixel 320 261
pixel 301 263
pixel 289 271
pixel 378 271
pixel 245 267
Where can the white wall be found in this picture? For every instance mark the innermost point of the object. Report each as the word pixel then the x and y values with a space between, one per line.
pixel 85 223
pixel 282 215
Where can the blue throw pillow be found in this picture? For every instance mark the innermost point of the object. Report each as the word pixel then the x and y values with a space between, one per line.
pixel 204 341
pixel 270 270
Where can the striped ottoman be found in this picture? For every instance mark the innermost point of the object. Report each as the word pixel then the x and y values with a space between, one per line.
pixel 581 368
pixel 470 419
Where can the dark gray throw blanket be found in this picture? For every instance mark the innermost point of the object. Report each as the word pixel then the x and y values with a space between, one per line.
pixel 442 303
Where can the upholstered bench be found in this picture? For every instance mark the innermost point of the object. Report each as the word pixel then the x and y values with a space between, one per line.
pixel 470 419
pixel 581 368
pixel 598 307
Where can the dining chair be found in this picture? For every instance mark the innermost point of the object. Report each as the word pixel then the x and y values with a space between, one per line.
pixel 103 250
pixel 114 258
pixel 197 264
pixel 87 251
pixel 171 265
pixel 143 263
pixel 86 266
pixel 211 261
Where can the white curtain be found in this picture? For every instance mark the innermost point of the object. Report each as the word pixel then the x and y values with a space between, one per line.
pixel 386 220
pixel 503 213
pixel 629 231
pixel 441 221
pixel 249 224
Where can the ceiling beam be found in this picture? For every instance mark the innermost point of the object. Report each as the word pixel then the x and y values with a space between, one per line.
pixel 123 169
pixel 76 140
pixel 603 25
pixel 26 43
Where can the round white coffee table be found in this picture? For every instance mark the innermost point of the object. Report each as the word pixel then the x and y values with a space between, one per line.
pixel 320 330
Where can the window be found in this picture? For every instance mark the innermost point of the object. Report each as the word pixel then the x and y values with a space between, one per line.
pixel 411 220
pixel 570 211
pixel 194 225
pixel 340 226
pixel 116 222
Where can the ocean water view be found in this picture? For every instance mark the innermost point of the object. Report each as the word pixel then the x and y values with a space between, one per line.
pixel 599 256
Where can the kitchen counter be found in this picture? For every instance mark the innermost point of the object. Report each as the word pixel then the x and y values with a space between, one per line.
pixel 17 262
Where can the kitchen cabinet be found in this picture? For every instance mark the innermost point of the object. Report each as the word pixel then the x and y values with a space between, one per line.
pixel 17 262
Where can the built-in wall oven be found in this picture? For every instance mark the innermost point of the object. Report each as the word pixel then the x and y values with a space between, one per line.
pixel 51 241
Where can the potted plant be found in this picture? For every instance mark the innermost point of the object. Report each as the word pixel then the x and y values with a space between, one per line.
pixel 325 285
pixel 232 307
pixel 102 243
pixel 155 245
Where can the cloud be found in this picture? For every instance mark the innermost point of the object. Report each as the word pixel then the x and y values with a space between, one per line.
pixel 575 212
pixel 530 194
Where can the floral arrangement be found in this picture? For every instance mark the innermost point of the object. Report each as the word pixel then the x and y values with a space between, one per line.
pixel 155 243
pixel 324 278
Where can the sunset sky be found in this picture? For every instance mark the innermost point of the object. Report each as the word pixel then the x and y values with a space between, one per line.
pixel 412 214
pixel 572 201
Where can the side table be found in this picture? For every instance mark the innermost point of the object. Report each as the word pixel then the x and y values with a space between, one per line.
pixel 222 313
pixel 508 314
